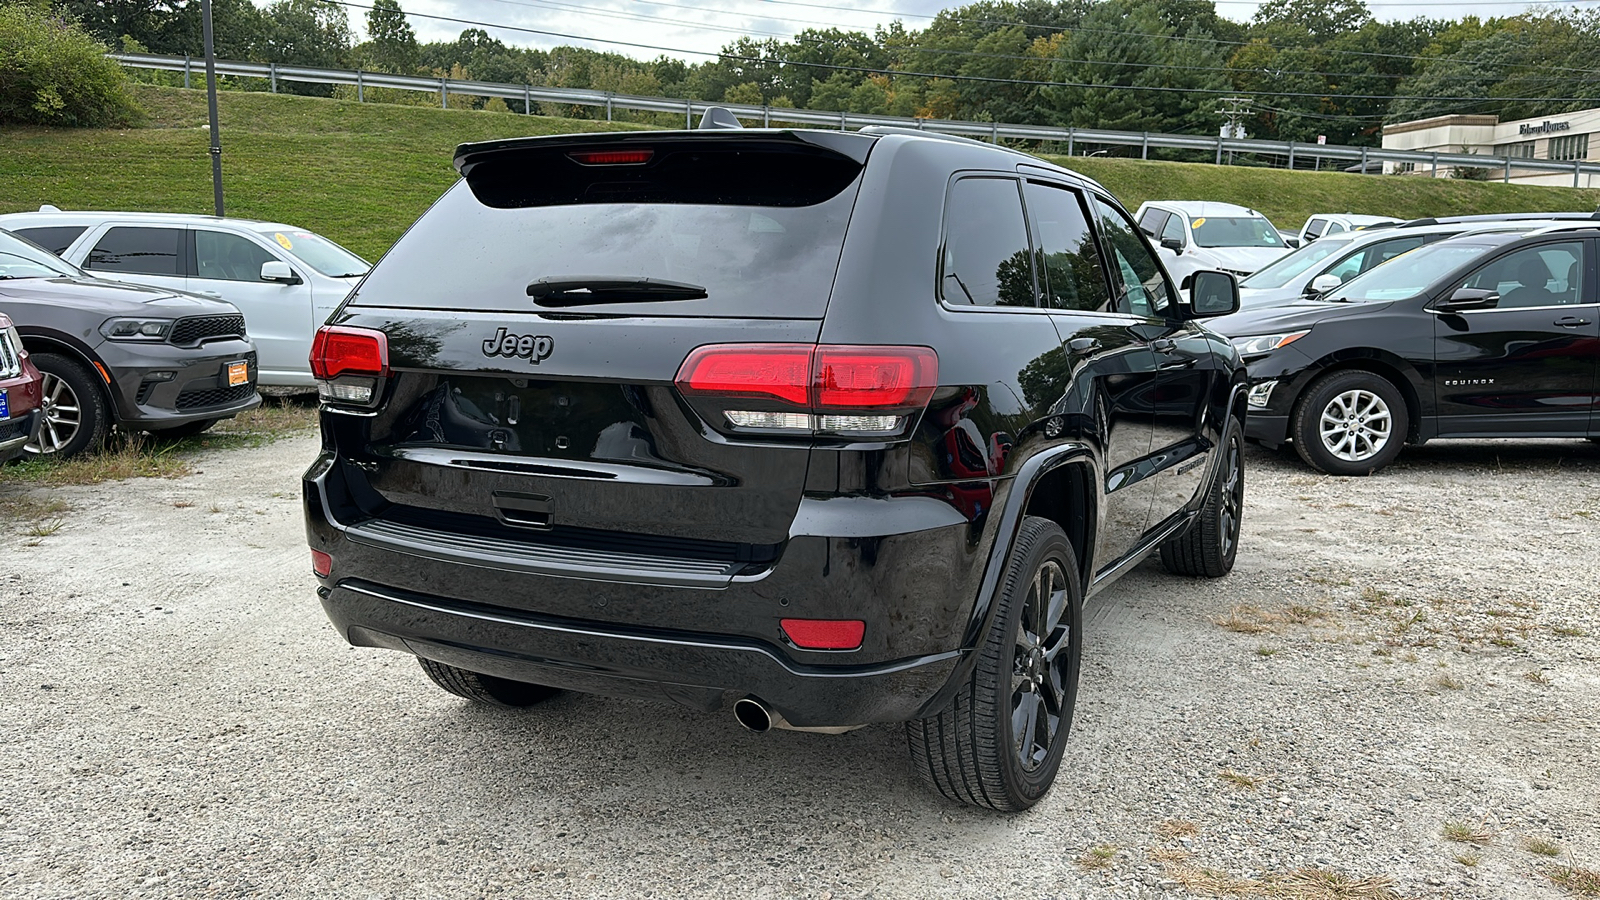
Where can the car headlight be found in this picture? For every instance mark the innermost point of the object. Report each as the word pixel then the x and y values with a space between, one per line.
pixel 1262 344
pixel 137 329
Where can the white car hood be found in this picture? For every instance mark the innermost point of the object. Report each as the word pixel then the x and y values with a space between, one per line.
pixel 1240 259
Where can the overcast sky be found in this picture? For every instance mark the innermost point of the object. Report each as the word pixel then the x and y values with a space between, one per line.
pixel 688 25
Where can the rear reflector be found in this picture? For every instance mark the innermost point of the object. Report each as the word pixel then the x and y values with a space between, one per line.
pixel 339 350
pixel 321 563
pixel 611 157
pixel 824 634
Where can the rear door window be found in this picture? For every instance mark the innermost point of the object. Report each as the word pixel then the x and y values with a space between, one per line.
pixel 986 248
pixel 1070 273
pixel 55 238
pixel 1152 221
pixel 138 251
pixel 228 257
pixel 1139 283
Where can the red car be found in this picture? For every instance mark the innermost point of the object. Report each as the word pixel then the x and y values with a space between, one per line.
pixel 21 393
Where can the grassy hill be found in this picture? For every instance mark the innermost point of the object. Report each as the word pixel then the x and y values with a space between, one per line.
pixel 361 173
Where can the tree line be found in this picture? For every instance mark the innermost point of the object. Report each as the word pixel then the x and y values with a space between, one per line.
pixel 1305 67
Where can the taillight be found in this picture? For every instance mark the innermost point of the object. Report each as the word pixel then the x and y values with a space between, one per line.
pixel 349 363
pixel 832 389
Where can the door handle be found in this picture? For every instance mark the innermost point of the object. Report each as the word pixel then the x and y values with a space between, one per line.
pixel 1185 363
pixel 1163 345
pixel 1571 322
pixel 1083 344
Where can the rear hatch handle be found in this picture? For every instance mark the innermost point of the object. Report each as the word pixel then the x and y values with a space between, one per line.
pixel 522 510
pixel 584 290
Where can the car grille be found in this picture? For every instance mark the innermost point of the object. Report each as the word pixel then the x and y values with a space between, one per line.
pixel 198 398
pixel 193 330
pixel 10 356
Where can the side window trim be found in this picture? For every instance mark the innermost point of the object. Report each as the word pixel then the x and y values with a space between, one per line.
pixel 1016 180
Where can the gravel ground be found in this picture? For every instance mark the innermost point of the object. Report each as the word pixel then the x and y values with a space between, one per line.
pixel 1392 654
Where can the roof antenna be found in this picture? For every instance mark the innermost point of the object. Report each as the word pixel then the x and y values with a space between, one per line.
pixel 718 117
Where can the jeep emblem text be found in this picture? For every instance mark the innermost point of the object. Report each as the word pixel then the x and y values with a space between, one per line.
pixel 527 346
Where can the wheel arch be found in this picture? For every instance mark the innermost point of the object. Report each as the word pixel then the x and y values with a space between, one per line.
pixel 1046 485
pixel 1385 365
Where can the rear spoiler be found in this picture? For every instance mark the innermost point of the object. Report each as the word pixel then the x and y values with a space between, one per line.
pixel 852 145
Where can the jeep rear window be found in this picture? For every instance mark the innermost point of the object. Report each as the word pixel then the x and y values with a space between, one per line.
pixel 760 232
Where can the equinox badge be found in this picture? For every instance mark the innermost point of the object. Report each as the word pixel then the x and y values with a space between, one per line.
pixel 527 346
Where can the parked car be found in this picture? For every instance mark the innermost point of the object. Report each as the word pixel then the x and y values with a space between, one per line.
pixel 818 425
pixel 20 392
pixel 285 280
pixel 1195 236
pixel 1325 224
pixel 1489 334
pixel 122 354
pixel 1324 265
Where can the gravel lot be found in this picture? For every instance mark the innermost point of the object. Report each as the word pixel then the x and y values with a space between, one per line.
pixel 177 719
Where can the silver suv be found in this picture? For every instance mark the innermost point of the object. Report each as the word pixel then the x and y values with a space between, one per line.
pixel 285 280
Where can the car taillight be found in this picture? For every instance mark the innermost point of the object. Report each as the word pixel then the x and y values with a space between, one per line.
pixel 831 389
pixel 349 363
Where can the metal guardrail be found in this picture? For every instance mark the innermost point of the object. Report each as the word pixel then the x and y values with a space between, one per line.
pixel 1364 157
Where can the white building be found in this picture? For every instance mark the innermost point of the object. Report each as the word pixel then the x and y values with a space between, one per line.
pixel 1567 137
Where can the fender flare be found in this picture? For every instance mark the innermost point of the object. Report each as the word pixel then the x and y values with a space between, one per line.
pixel 68 345
pixel 1024 483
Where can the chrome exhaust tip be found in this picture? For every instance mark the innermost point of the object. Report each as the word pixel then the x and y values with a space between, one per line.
pixel 753 714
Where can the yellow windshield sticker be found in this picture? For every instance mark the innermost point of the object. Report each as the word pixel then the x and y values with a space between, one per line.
pixel 1198 222
pixel 283 241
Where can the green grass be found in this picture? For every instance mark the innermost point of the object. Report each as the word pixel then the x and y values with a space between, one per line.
pixel 361 173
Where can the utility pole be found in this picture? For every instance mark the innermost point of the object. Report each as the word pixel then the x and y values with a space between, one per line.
pixel 1234 111
pixel 211 102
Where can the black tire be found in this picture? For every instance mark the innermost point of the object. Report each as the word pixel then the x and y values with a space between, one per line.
pixel 76 416
pixel 970 752
pixel 486 689
pixel 1208 546
pixel 188 429
pixel 1347 396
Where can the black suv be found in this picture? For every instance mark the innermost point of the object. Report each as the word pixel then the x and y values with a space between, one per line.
pixel 836 428
pixel 1493 334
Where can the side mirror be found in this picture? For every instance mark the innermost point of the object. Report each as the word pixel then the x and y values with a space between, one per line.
pixel 1324 283
pixel 278 271
pixel 1173 244
pixel 1292 241
pixel 1212 294
pixel 1469 298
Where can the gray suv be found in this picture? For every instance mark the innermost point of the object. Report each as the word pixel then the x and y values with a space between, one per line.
pixel 121 354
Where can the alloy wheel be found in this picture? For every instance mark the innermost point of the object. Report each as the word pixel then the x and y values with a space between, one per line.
pixel 1039 681
pixel 1355 425
pixel 63 416
pixel 1232 499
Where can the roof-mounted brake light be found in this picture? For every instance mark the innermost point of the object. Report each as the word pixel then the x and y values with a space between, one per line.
pixel 611 157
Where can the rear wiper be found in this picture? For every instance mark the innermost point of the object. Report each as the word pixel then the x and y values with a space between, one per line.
pixel 578 290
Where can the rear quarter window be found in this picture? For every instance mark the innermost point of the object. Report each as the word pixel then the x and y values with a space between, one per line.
pixel 55 238
pixel 138 251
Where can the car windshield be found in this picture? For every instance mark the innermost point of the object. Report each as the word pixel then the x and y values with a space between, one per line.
pixel 21 258
pixel 319 253
pixel 1286 268
pixel 1245 231
pixel 1409 274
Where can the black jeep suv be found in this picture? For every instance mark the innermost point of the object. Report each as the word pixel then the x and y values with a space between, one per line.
pixel 834 428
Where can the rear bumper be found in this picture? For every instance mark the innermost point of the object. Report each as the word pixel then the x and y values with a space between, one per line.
pixel 635 626
pixel 707 672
